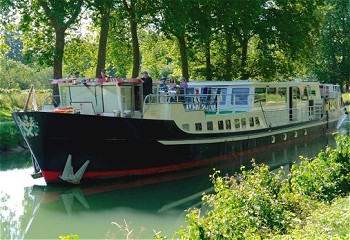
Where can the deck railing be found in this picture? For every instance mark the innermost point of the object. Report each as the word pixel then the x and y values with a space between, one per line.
pixel 275 114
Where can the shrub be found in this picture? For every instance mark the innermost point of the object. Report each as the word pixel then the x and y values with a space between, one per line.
pixel 326 176
pixel 10 136
pixel 259 203
pixel 253 203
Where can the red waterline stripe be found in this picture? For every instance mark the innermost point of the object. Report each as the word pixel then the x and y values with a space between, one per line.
pixel 54 175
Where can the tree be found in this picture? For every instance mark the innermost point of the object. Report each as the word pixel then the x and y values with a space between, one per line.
pixel 130 8
pixel 104 9
pixel 61 15
pixel 173 17
pixel 58 15
pixel 119 49
pixel 287 33
pixel 333 62
pixel 201 28
pixel 6 20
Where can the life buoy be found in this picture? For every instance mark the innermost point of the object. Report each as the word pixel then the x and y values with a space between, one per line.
pixel 68 109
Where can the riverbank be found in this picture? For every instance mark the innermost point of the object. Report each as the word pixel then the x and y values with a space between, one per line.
pixel 312 201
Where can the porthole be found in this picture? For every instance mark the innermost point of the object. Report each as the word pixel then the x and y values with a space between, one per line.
pixel 295 134
pixel 273 139
pixel 284 136
pixel 305 132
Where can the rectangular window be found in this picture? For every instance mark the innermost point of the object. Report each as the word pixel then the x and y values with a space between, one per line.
pixel 271 95
pixel 186 127
pixel 228 124
pixel 198 126
pixel 251 122
pixel 221 125
pixel 190 91
pixel 244 123
pixel 312 91
pixel 210 125
pixel 237 123
pixel 282 93
pixel 240 96
pixel 257 121
pixel 223 96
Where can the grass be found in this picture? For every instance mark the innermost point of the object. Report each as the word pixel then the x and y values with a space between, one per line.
pixel 328 222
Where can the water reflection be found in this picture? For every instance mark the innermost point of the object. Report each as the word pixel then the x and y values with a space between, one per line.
pixel 344 126
pixel 114 210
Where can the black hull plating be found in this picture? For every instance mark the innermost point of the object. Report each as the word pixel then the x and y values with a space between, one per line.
pixel 117 147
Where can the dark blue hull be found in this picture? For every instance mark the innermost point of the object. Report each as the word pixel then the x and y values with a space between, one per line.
pixel 120 147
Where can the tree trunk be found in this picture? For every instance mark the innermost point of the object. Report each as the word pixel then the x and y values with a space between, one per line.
pixel 102 45
pixel 207 60
pixel 135 48
pixel 58 57
pixel 244 58
pixel 134 38
pixel 228 57
pixel 183 54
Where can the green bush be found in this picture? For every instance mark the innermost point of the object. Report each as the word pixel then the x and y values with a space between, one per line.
pixel 259 203
pixel 10 136
pixel 326 176
pixel 243 206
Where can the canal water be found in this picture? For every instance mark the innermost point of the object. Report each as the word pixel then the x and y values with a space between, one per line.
pixel 133 209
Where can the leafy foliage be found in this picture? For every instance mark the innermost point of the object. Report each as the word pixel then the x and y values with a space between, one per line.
pixel 259 203
pixel 12 99
pixel 217 39
pixel 327 222
pixel 16 75
pixel 325 177
pixel 331 61
pixel 10 137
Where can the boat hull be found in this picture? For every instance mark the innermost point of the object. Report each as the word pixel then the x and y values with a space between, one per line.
pixel 118 147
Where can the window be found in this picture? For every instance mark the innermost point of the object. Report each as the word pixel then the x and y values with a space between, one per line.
pixel 221 125
pixel 251 122
pixel 186 127
pixel 240 96
pixel 198 126
pixel 257 121
pixel 271 95
pixel 228 124
pixel 312 91
pixel 282 93
pixel 237 123
pixel 244 123
pixel 210 125
pixel 223 96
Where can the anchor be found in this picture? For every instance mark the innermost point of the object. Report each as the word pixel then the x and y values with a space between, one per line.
pixel 68 174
